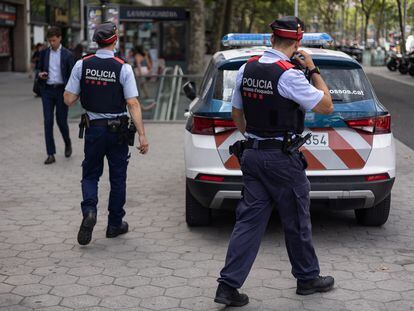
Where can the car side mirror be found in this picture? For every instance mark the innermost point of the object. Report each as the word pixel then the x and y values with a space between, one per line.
pixel 189 89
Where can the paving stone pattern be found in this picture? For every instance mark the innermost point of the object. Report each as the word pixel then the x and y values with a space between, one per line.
pixel 161 264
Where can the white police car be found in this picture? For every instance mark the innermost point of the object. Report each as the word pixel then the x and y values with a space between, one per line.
pixel 351 153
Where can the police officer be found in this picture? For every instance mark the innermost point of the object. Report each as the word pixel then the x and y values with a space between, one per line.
pixel 106 87
pixel 269 104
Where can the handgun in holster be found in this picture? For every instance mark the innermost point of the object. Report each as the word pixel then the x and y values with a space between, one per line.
pixel 237 149
pixel 295 144
pixel 131 133
pixel 84 123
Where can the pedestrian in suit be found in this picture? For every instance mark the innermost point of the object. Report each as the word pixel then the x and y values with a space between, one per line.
pixel 56 63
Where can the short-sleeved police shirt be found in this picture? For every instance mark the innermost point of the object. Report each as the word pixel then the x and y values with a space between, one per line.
pixel 292 85
pixel 126 78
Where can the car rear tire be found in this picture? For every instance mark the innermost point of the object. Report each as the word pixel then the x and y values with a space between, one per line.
pixel 374 216
pixel 196 215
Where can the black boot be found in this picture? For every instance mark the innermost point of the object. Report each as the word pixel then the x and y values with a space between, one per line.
pixel 86 228
pixel 50 159
pixel 112 232
pixel 230 296
pixel 68 150
pixel 320 284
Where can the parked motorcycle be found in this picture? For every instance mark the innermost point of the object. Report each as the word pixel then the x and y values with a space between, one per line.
pixel 393 60
pixel 411 64
pixel 403 65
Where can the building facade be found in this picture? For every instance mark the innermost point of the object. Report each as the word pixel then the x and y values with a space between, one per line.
pixel 14 46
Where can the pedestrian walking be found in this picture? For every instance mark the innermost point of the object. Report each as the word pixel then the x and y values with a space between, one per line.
pixel 269 104
pixel 56 63
pixel 106 87
pixel 143 68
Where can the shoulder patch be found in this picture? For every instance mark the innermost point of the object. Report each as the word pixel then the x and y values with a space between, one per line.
pixel 119 60
pixel 285 65
pixel 253 59
pixel 87 56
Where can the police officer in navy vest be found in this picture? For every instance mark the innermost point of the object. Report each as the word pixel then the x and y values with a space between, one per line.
pixel 269 104
pixel 106 86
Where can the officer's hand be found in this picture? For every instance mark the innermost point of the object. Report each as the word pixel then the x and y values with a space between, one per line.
pixel 307 61
pixel 143 144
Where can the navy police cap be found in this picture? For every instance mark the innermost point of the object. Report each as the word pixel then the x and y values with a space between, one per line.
pixel 288 27
pixel 105 33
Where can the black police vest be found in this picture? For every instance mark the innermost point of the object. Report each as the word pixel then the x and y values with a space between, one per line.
pixel 267 113
pixel 101 90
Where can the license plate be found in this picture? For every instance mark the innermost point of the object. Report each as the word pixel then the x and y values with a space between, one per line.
pixel 318 139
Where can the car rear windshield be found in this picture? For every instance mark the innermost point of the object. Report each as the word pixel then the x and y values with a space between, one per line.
pixel 347 84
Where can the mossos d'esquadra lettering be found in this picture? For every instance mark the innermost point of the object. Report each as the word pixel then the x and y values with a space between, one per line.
pixel 100 73
pixel 261 84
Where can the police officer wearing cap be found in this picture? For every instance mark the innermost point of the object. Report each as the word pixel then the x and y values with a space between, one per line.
pixel 106 86
pixel 271 116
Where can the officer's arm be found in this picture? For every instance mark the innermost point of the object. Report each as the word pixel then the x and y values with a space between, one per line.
pixel 134 108
pixel 72 88
pixel 239 120
pixel 325 106
pixel 70 98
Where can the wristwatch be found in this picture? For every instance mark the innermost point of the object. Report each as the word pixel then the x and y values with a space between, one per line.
pixel 314 70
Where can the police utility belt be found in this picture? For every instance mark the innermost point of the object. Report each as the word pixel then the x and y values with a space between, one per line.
pixel 122 126
pixel 289 145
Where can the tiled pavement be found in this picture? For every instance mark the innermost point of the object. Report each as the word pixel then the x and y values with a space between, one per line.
pixel 162 264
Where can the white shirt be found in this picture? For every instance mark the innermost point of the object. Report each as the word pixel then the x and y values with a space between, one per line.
pixel 292 85
pixel 55 73
pixel 126 78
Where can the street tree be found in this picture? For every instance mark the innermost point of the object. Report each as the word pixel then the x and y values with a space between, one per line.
pixel 367 6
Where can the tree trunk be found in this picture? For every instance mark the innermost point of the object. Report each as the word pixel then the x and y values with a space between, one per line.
pixel 219 13
pixel 228 17
pixel 380 22
pixel 400 20
pixel 197 52
pixel 366 30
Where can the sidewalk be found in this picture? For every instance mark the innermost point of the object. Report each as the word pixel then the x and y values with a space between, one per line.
pixel 383 71
pixel 161 264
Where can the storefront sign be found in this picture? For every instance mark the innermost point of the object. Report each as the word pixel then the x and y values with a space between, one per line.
pixel 147 13
pixel 61 16
pixel 7 14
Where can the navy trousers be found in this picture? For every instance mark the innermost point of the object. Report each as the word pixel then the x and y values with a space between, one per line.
pixel 53 98
pixel 271 177
pixel 100 143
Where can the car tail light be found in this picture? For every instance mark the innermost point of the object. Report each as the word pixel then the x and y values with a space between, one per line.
pixel 374 125
pixel 210 178
pixel 377 177
pixel 211 126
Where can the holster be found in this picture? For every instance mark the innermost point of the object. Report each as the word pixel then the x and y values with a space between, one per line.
pixel 237 149
pixel 120 126
pixel 131 133
pixel 84 123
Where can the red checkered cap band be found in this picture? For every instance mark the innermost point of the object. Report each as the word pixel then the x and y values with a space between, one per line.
pixel 109 40
pixel 289 34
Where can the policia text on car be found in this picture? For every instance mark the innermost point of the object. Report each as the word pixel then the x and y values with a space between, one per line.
pixel 271 116
pixel 106 87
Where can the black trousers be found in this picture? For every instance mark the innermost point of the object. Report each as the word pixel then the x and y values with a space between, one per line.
pixel 271 176
pixel 53 98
